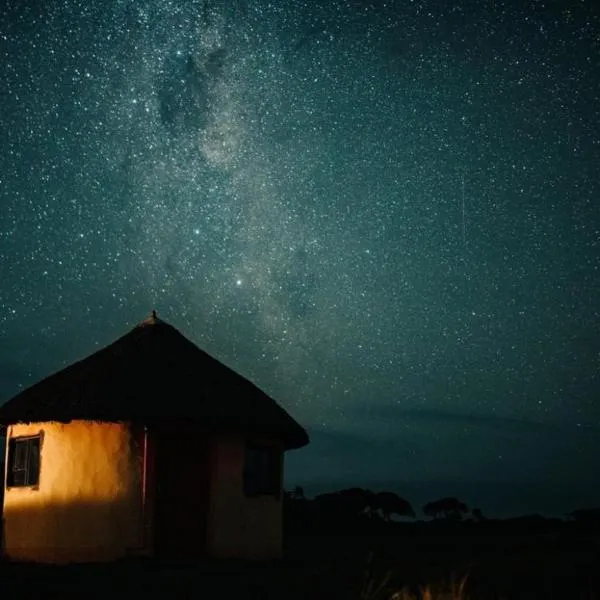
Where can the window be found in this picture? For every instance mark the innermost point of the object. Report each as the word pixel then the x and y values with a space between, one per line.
pixel 23 461
pixel 262 470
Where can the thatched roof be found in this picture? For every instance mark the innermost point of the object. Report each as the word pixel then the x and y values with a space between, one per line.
pixel 154 374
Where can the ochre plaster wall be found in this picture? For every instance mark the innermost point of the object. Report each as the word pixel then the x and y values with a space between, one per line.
pixel 239 527
pixel 88 503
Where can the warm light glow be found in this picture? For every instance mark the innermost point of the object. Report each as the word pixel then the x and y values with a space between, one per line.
pixel 74 462
pixel 88 495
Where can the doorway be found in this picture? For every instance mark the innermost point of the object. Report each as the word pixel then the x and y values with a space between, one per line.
pixel 182 462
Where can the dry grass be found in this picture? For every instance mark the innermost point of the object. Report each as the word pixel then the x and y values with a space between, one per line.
pixel 383 590
pixel 451 591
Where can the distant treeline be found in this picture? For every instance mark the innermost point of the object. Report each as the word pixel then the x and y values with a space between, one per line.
pixel 386 506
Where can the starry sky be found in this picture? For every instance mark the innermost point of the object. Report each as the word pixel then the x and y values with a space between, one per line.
pixel 385 214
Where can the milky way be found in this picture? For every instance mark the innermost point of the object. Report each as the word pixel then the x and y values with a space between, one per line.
pixel 386 215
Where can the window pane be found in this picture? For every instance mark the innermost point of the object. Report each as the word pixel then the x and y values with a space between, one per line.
pixel 20 455
pixel 18 478
pixel 262 470
pixel 24 462
pixel 275 470
pixel 33 462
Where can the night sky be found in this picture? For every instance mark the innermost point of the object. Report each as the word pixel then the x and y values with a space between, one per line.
pixel 385 214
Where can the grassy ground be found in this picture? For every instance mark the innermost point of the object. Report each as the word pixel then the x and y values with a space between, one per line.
pixel 355 561
pixel 526 558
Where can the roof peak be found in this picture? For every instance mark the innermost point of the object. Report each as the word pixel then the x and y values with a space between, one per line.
pixel 151 320
pixel 129 379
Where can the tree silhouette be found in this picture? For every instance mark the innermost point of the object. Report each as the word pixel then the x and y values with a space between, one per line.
pixel 349 502
pixel 446 508
pixel 588 516
pixel 297 493
pixel 388 503
pixel 478 515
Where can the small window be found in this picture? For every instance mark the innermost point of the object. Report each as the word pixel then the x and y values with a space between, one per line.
pixel 262 471
pixel 23 461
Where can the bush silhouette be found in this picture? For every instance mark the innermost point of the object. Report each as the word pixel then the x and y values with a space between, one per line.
pixel 478 515
pixel 297 493
pixel 587 516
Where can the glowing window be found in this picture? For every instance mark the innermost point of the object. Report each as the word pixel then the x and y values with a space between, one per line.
pixel 23 461
pixel 262 471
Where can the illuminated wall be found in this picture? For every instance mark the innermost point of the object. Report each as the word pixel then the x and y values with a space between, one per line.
pixel 88 503
pixel 238 526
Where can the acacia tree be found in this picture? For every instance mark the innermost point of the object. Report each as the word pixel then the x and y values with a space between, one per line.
pixel 446 508
pixel 350 502
pixel 388 504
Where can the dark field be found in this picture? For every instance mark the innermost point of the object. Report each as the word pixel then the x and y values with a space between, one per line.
pixel 524 558
pixel 513 559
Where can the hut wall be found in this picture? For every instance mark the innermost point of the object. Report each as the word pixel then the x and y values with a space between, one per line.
pixel 87 505
pixel 240 526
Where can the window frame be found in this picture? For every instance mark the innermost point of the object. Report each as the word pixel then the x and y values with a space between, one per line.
pixel 262 470
pixel 30 482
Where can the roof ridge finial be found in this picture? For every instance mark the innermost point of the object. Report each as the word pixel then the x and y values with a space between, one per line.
pixel 151 320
